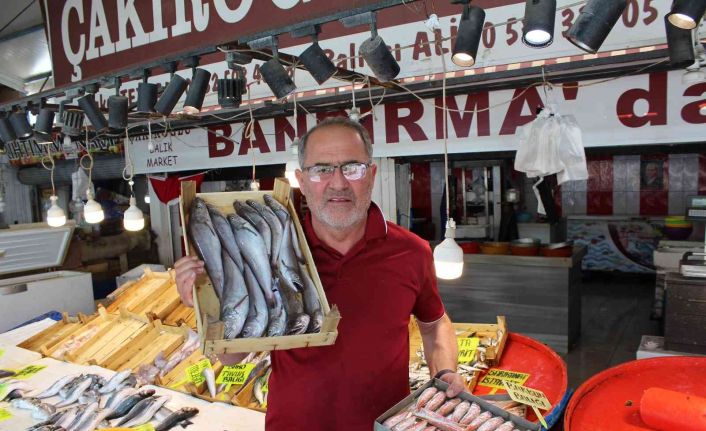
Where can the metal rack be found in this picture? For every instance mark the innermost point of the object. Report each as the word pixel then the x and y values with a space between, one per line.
pixel 491 200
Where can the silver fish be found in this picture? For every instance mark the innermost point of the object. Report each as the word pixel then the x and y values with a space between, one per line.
pixel 254 253
pixel 235 303
pixel 40 410
pixel 277 315
pixel 279 209
pixel 275 225
pixel 144 413
pixel 225 234
pixel 56 387
pixel 91 421
pixel 82 416
pixel 89 396
pixel 115 381
pixel 73 396
pixel 312 305
pixel 297 320
pixel 258 222
pixel 68 416
pixel 295 243
pixel 256 322
pixel 206 242
pixel 126 405
pixel 116 398
pixel 16 389
pixel 68 387
pixel 176 417
pixel 210 377
pixel 288 257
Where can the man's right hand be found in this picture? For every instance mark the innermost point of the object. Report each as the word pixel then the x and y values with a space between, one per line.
pixel 187 268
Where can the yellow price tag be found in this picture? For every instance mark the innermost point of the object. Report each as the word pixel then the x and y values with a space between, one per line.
pixel 3 390
pixel 27 372
pixel 4 415
pixel 467 349
pixel 193 372
pixel 235 374
pixel 146 427
pixel 495 376
pixel 266 386
pixel 532 397
pixel 2 352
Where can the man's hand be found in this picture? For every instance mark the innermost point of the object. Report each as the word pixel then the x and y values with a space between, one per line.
pixel 186 269
pixel 456 384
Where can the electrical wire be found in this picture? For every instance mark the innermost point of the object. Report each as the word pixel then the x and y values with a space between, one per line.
pixel 446 149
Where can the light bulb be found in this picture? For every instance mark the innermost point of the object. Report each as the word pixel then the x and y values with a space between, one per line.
pixel 255 185
pixel 448 256
pixel 92 211
pixel 289 169
pixel 702 109
pixel 147 199
pixel 133 220
pixel 55 215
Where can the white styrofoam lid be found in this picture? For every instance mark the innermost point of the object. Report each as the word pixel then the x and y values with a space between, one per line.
pixel 28 247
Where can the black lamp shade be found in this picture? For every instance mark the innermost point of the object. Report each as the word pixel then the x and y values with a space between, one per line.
pixel 117 112
pixel 230 92
pixel 197 91
pixel 95 116
pixel 470 30
pixel 277 78
pixel 20 124
pixel 73 122
pixel 7 133
pixel 146 97
pixel 681 47
pixel 45 122
pixel 687 13
pixel 379 58
pixel 594 23
pixel 171 95
pixel 538 30
pixel 317 63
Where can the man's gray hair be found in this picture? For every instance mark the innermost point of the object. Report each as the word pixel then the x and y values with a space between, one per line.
pixel 341 122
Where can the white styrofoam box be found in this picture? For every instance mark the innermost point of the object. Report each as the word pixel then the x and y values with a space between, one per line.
pixel 652 346
pixel 24 298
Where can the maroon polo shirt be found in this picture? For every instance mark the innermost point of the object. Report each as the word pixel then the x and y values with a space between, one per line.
pixel 385 277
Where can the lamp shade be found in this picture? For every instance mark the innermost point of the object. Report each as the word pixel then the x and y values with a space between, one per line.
pixel 538 30
pixel 7 133
pixel 117 112
pixel 379 58
pixel 146 97
pixel 594 23
pixel 317 63
pixel 20 125
pixel 197 91
pixel 44 124
pixel 470 30
pixel 72 122
pixel 277 78
pixel 165 105
pixel 681 48
pixel 687 13
pixel 95 116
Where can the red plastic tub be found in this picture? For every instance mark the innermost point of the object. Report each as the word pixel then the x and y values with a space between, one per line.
pixel 610 400
pixel 546 369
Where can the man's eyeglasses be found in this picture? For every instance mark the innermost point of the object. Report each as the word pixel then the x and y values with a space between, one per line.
pixel 352 171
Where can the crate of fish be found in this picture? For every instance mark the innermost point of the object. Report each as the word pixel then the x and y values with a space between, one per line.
pixel 429 408
pixel 261 291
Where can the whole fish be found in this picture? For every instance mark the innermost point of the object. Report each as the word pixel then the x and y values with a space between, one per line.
pixel 259 394
pixel 426 396
pixel 97 381
pixel 144 413
pixel 448 406
pixel 405 424
pixel 74 395
pixel 235 303
pixel 81 416
pixel 460 411
pixel 176 417
pixel 68 416
pixel 297 320
pixel 126 405
pixel 115 381
pixel 257 221
pixel 112 400
pixel 254 253
pixel 279 209
pixel 473 412
pixel 275 225
pixel 277 315
pixel 91 422
pixel 480 420
pixel 210 377
pixel 286 252
pixel 225 234
pixel 40 410
pixel 507 426
pixel 295 243
pixel 492 424
pixel 89 396
pixel 190 345
pixel 206 242
pixel 256 321
pixel 312 305
pixel 56 387
pixel 16 389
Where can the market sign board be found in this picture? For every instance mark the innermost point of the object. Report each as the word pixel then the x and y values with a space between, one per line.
pixel 647 109
pixel 92 38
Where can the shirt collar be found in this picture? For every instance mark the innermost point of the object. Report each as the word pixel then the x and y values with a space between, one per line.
pixel 375 227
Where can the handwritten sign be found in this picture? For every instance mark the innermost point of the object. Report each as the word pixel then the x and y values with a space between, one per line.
pixel 532 397
pixel 194 372
pixel 29 371
pixel 4 415
pixel 467 349
pixel 495 377
pixel 235 374
pixel 146 427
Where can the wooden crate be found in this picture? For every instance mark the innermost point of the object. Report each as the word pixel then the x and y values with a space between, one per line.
pixel 49 337
pixel 154 294
pixel 206 303
pixel 156 338
pixel 82 336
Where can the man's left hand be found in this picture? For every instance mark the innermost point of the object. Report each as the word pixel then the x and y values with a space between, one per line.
pixel 456 384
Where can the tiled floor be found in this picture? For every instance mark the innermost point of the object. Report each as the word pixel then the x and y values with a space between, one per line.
pixel 615 313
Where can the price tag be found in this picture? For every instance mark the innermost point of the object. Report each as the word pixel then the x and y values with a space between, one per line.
pixel 193 372
pixel 4 415
pixel 2 352
pixel 495 377
pixel 532 397
pixel 27 372
pixel 467 349
pixel 266 386
pixel 235 374
pixel 146 427
pixel 3 390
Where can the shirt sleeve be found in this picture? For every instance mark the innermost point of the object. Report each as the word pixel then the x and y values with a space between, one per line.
pixel 428 306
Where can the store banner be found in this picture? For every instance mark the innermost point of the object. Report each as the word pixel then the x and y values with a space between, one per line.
pixel 647 109
pixel 88 39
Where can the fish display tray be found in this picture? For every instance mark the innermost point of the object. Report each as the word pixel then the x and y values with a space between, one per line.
pixel 521 424
pixel 48 338
pixel 206 303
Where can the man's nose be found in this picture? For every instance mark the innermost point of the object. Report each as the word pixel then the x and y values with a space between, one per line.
pixel 338 181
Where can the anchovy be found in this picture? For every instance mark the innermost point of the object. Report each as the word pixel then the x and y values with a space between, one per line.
pixel 279 209
pixel 176 417
pixel 277 320
pixel 126 405
pixel 206 242
pixel 259 223
pixel 56 387
pixel 312 305
pixel 145 412
pixel 256 322
pixel 298 321
pixel 73 396
pixel 115 381
pixel 40 410
pixel 235 302
pixel 253 249
pixel 275 227
pixel 225 234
